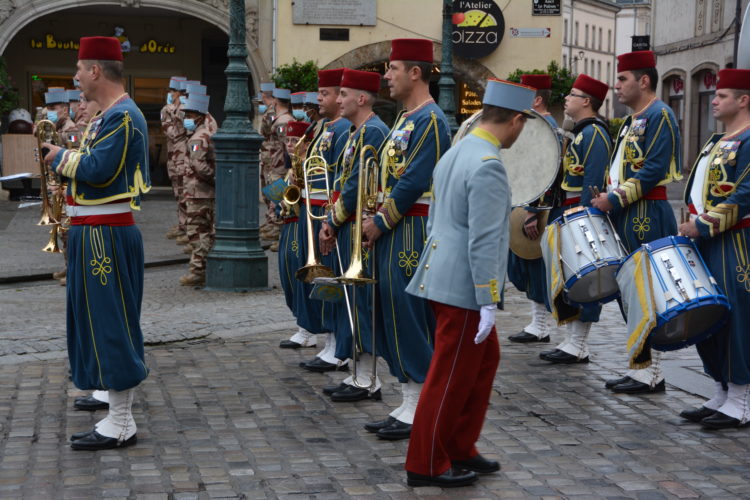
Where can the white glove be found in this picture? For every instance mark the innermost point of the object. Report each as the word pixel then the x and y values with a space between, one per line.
pixel 486 322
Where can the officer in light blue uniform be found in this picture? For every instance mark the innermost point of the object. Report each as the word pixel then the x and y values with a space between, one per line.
pixel 584 168
pixel 718 197
pixel 646 157
pixel 528 275
pixel 405 323
pixel 329 144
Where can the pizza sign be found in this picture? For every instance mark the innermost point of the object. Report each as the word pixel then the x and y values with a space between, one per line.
pixel 478 27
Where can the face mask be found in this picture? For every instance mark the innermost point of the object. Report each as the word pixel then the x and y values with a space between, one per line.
pixel 76 83
pixel 299 114
pixel 183 99
pixel 189 124
pixel 52 116
pixel 170 99
pixel 72 114
pixel 262 108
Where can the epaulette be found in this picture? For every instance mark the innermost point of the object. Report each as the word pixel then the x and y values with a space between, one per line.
pixel 490 157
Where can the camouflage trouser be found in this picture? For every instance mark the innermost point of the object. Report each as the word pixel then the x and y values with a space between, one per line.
pixel 200 231
pixel 175 173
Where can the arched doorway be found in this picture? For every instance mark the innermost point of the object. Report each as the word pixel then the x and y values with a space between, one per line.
pixel 176 38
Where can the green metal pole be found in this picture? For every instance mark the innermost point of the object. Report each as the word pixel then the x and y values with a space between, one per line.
pixel 446 83
pixel 237 262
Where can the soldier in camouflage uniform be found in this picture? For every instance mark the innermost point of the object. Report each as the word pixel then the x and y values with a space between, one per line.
pixel 274 167
pixel 172 131
pixel 268 114
pixel 199 182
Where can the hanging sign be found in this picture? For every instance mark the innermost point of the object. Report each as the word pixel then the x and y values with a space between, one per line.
pixel 478 27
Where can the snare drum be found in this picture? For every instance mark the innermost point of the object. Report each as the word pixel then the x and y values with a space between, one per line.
pixel 689 305
pixel 591 253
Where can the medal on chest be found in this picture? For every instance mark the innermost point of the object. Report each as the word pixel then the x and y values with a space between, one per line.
pixel 325 140
pixel 725 155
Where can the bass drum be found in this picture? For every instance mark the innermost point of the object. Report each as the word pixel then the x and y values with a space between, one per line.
pixel 532 163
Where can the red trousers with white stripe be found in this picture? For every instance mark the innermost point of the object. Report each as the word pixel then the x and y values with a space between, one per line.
pixel 455 396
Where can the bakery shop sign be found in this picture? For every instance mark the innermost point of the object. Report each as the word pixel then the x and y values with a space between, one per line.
pixel 478 28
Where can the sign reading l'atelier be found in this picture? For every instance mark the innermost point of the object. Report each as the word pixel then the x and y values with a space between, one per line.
pixel 49 42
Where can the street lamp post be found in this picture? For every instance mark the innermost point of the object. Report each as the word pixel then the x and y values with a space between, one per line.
pixel 237 262
pixel 446 83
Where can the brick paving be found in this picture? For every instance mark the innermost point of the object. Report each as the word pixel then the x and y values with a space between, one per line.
pixel 225 413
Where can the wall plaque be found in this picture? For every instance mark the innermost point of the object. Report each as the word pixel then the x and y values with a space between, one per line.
pixel 334 12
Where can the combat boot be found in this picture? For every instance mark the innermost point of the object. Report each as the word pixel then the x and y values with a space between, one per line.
pixel 193 279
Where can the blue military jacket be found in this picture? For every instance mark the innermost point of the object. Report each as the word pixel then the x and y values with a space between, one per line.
pixel 329 144
pixel 646 154
pixel 725 197
pixel 405 175
pixel 466 252
pixel 586 159
pixel 112 162
pixel 372 133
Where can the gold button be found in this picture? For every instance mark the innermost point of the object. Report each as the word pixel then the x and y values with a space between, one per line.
pixel 434 245
pixel 426 266
pixel 421 287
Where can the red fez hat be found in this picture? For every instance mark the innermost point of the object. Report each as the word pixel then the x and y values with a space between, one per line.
pixel 738 79
pixel 361 80
pixel 330 77
pixel 411 49
pixel 296 129
pixel 101 48
pixel 591 86
pixel 641 59
pixel 539 82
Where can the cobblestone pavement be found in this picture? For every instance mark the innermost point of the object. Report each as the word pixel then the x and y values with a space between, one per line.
pixel 225 413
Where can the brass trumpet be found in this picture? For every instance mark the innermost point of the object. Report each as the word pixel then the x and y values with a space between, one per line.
pixel 314 166
pixel 45 132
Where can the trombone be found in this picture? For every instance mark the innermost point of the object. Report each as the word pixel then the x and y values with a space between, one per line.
pixel 52 209
pixel 293 191
pixel 356 274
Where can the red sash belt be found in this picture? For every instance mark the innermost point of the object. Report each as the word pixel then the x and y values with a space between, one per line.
pixel 418 210
pixel 314 202
pixel 289 220
pixel 658 193
pixel 335 196
pixel 123 219
pixel 572 201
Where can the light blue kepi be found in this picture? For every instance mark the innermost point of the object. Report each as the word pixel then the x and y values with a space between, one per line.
pixel 509 95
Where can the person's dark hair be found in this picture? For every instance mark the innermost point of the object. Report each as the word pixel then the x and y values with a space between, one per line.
pixel 287 103
pixel 737 93
pixel 546 95
pixel 496 114
pixel 424 67
pixel 651 73
pixel 112 70
pixel 595 102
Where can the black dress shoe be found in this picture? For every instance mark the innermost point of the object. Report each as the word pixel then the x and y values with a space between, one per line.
pixel 616 381
pixel 397 430
pixel 720 420
pixel 635 387
pixel 526 337
pixel 351 394
pixel 478 464
pixel 89 403
pixel 380 424
pixel 330 389
pixel 289 344
pixel 95 441
pixel 548 352
pixel 564 358
pixel 303 364
pixel 697 414
pixel 452 478
pixel 82 434
pixel 319 366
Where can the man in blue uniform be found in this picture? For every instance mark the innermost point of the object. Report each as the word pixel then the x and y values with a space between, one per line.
pixel 718 195
pixel 419 138
pixel 358 92
pixel 461 273
pixel 646 158
pixel 584 167
pixel 528 275
pixel 330 144
pixel 105 251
